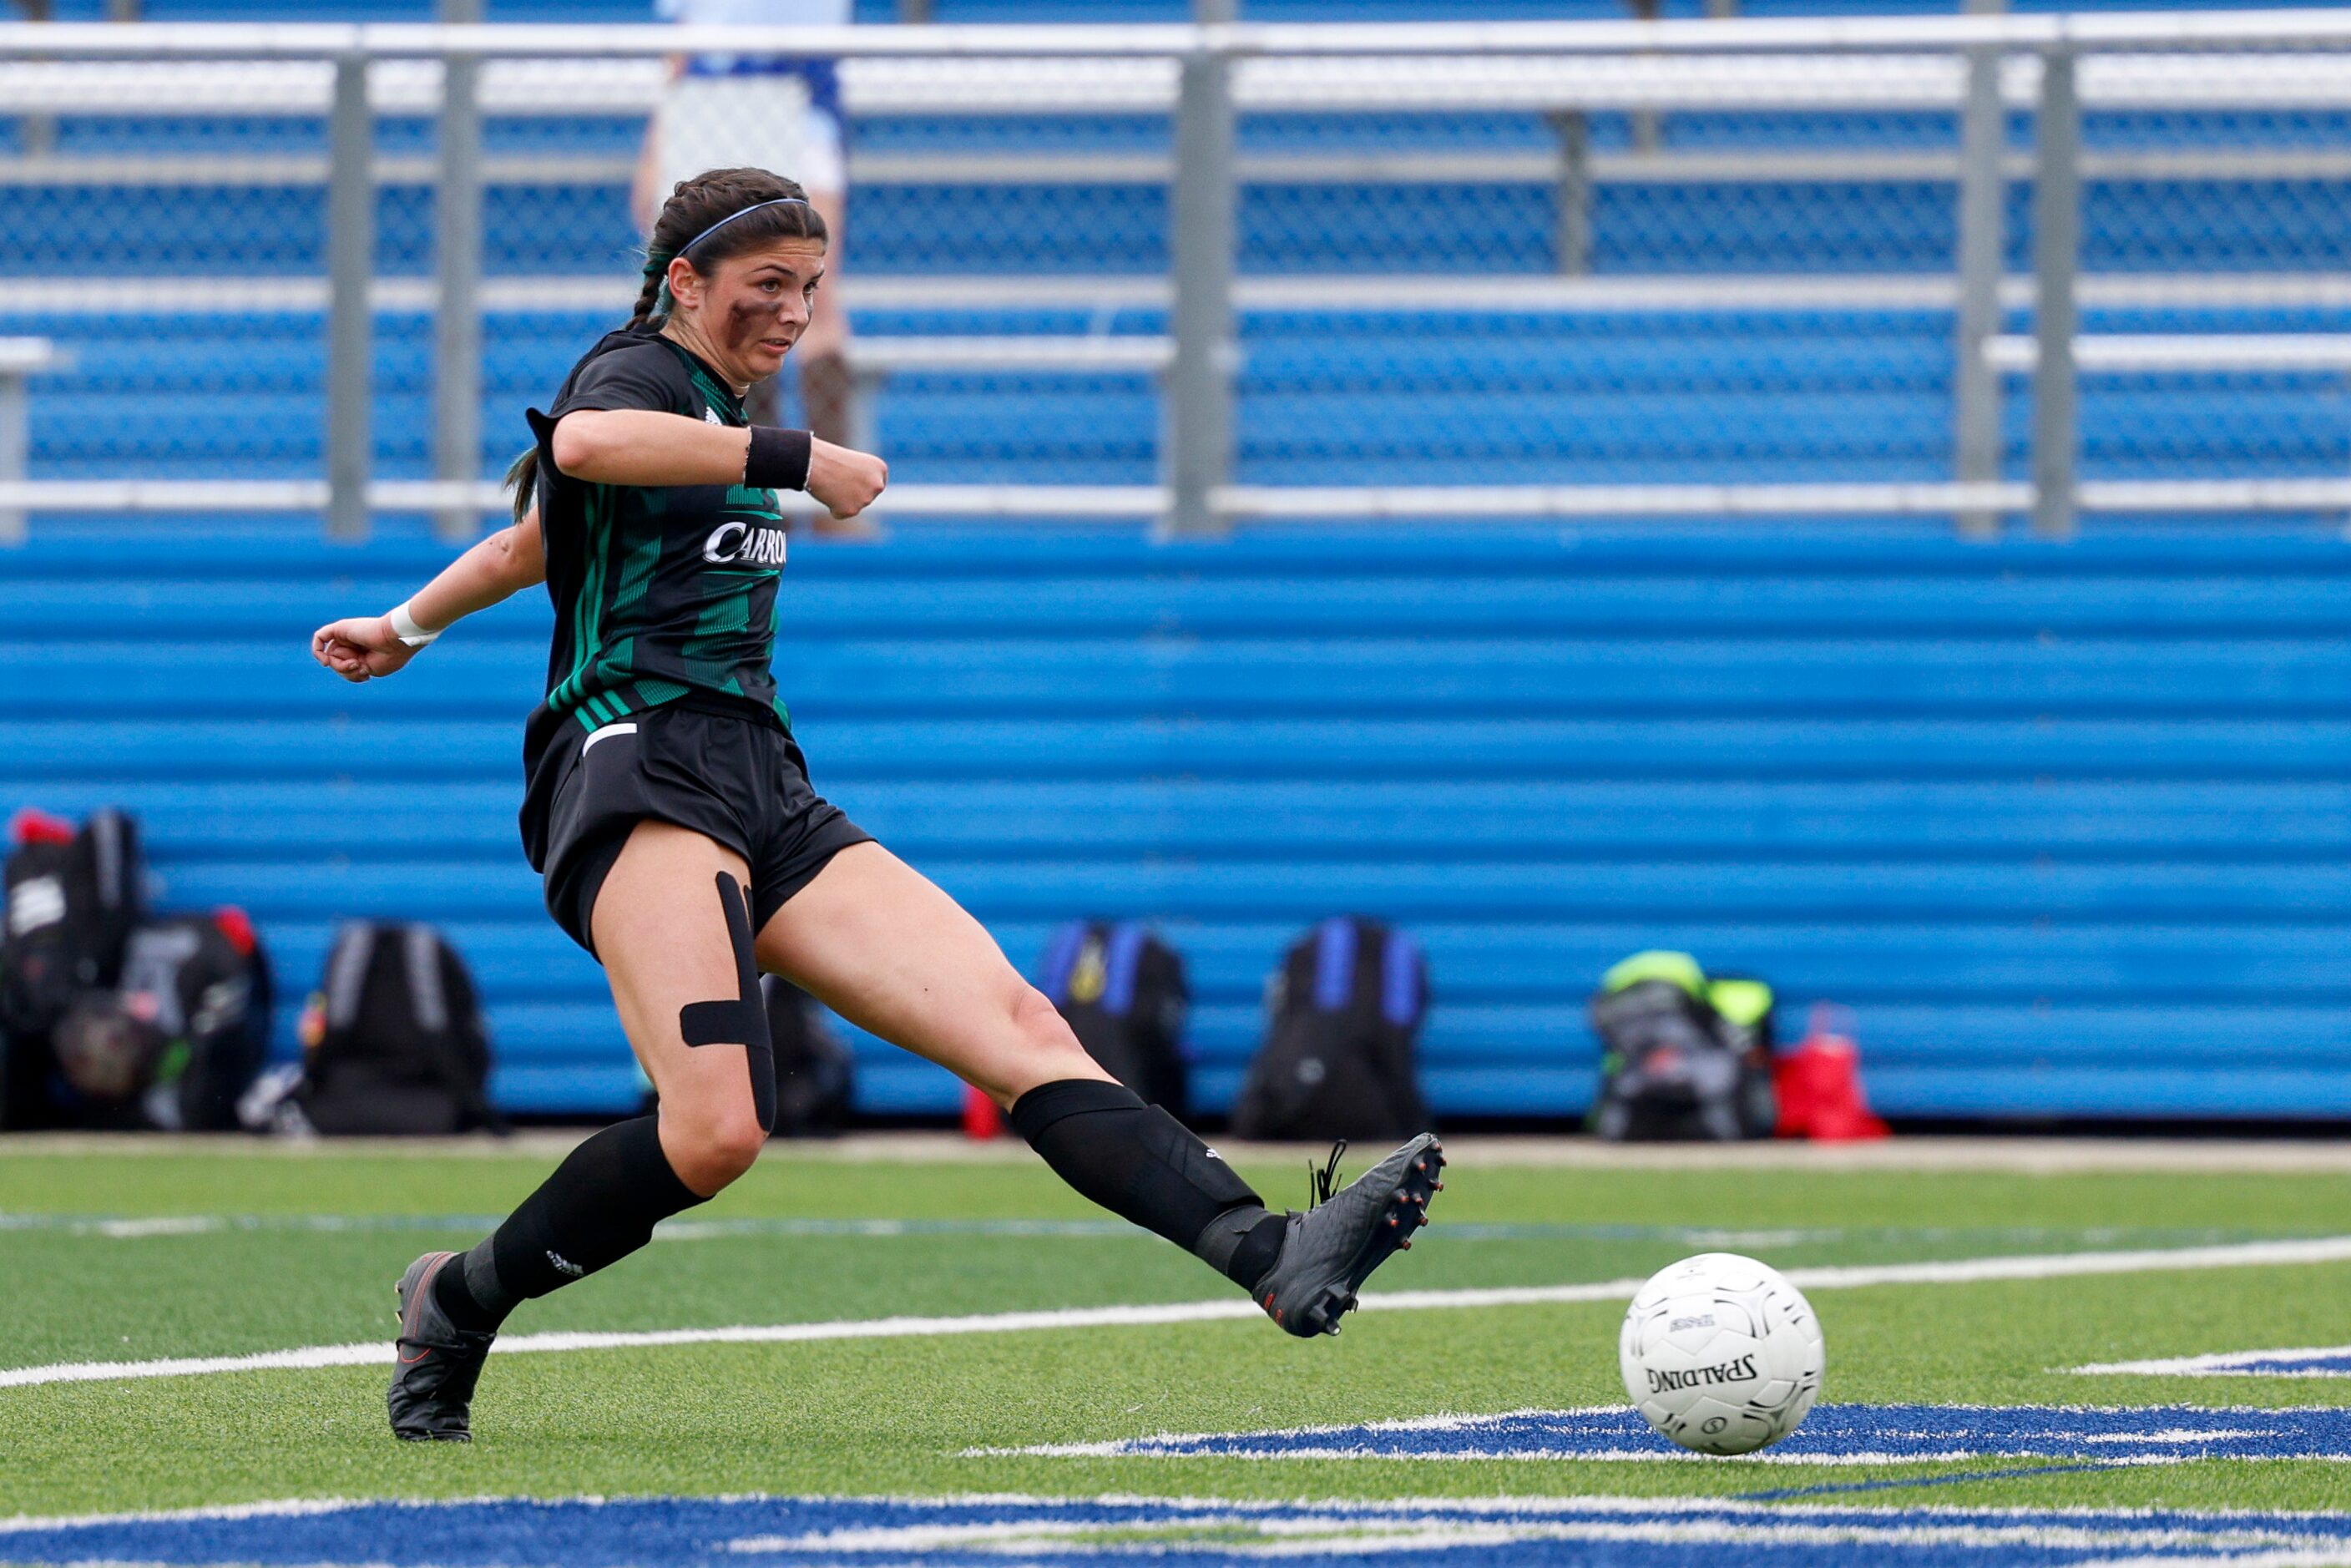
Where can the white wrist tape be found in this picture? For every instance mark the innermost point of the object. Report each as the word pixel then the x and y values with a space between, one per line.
pixel 404 626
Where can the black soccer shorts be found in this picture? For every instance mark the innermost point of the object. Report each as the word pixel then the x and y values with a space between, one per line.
pixel 730 777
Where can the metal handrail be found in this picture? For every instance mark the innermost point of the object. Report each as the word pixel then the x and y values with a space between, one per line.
pixel 2013 33
pixel 1266 502
pixel 1023 84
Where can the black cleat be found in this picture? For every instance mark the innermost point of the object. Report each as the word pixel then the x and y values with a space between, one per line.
pixel 432 1382
pixel 1332 1249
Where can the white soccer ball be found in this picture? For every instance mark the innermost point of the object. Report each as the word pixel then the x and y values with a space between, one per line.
pixel 1721 1354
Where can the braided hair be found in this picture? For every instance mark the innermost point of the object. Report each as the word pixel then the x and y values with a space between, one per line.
pixel 707 220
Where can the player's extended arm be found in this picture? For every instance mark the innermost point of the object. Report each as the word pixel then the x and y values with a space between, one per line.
pixel 642 446
pixel 492 569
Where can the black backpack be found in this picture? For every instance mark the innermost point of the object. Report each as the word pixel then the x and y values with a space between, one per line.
pixel 1683 1056
pixel 73 897
pixel 1342 1014
pixel 184 1036
pixel 814 1072
pixel 395 1043
pixel 1121 990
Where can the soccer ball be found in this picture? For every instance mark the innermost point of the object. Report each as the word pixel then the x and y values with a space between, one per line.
pixel 1721 1354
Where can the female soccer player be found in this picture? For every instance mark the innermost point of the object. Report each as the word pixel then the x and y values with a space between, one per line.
pixel 670 813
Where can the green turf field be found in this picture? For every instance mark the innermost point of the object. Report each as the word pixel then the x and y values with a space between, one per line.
pixel 128 1257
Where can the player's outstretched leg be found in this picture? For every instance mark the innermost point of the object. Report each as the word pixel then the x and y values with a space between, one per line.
pixel 1330 1249
pixel 1140 1164
pixel 878 942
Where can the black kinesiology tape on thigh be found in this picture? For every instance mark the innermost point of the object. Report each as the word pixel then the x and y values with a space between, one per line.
pixel 1134 1159
pixel 743 1020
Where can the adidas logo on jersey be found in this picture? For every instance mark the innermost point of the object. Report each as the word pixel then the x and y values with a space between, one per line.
pixel 740 544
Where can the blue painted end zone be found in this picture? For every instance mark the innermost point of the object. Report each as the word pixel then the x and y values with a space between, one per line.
pixel 1832 1433
pixel 1589 1533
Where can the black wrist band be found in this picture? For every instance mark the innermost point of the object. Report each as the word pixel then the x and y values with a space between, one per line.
pixel 779 459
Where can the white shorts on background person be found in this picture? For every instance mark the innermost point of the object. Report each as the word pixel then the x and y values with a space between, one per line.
pixel 726 112
pixel 760 119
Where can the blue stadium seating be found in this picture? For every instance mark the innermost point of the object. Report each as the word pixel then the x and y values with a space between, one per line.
pixel 2069 827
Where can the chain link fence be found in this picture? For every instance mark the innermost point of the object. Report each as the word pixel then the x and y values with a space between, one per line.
pixel 1272 270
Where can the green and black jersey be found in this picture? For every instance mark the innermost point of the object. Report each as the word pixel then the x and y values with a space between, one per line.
pixel 661 591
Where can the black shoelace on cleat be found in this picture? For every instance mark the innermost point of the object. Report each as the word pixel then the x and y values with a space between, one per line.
pixel 1322 1183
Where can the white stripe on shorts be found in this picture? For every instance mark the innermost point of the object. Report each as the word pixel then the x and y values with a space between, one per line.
pixel 626 726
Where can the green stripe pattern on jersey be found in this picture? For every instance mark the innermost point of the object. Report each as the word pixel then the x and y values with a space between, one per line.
pixel 676 585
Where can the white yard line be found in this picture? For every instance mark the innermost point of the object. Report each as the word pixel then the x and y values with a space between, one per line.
pixel 2011 1156
pixel 1704 1237
pixel 283 1508
pixel 1966 1270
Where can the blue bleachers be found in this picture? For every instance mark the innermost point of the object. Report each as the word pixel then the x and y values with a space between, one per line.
pixel 2069 827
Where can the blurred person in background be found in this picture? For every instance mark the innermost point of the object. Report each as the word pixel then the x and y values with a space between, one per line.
pixel 765 111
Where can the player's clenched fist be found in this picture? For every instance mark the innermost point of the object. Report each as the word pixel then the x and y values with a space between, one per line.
pixel 847 482
pixel 360 647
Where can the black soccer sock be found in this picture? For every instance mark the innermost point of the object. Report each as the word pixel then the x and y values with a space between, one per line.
pixel 600 1205
pixel 1143 1165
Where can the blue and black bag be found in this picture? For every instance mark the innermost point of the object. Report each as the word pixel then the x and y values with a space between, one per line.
pixel 1342 1016
pixel 1122 991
